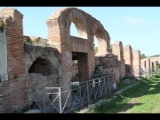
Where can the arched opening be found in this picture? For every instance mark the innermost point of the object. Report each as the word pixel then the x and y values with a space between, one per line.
pixel 41 66
pixel 77 29
pixel 73 30
pixel 101 43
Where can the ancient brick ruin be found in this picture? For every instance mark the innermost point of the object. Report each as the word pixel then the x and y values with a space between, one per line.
pixel 28 61
pixel 149 64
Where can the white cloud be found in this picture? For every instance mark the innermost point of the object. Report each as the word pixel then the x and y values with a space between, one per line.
pixel 135 21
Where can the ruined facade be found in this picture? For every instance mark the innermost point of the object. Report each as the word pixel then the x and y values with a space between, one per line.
pixel 149 64
pixel 29 62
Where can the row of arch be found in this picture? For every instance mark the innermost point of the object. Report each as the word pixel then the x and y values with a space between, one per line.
pixel 87 27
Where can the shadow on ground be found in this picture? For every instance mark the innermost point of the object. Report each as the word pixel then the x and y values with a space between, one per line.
pixel 120 105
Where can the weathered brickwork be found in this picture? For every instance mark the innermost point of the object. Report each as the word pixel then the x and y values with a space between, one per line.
pixel 31 63
pixel 109 64
pixel 136 63
pixel 59 34
pixel 13 99
pixel 154 61
pixel 117 49
pixel 150 64
pixel 145 65
pixel 128 57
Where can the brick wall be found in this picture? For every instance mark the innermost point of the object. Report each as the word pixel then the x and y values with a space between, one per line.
pixel 13 90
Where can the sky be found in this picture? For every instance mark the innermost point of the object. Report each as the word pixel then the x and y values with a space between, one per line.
pixel 137 26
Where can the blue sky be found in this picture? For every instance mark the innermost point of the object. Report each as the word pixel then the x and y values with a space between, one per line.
pixel 137 26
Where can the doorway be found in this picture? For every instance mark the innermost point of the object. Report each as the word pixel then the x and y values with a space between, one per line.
pixel 79 68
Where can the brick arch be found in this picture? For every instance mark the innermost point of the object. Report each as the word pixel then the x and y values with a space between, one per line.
pixel 78 19
pixel 34 52
pixel 59 25
pixel 59 35
pixel 51 65
pixel 103 39
pixel 42 66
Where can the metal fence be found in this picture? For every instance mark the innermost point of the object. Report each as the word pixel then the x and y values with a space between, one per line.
pixel 72 97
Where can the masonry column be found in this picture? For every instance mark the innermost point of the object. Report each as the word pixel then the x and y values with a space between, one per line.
pixel 117 49
pixel 136 63
pixel 127 50
pixel 148 65
pixel 13 98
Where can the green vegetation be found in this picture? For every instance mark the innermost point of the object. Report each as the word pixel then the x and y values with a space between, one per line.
pixel 141 98
pixel 110 50
pixel 143 56
pixel 155 55
pixel 95 49
pixel 34 41
pixel 122 84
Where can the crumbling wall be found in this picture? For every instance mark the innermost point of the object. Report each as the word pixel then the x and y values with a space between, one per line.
pixel 45 61
pixel 150 64
pixel 13 94
pixel 17 75
pixel 154 62
pixel 145 65
pixel 109 64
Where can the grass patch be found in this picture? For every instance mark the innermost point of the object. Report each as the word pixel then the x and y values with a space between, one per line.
pixel 141 98
pixel 122 84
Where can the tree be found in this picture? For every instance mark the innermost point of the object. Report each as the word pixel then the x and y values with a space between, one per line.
pixel 143 56
pixel 155 55
pixel 110 49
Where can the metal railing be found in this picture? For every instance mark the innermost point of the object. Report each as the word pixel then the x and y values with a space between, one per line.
pixel 69 98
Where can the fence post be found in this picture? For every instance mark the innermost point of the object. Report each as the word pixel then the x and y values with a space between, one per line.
pixel 44 102
pixel 99 80
pixel 94 86
pixel 29 97
pixel 105 85
pixel 80 96
pixel 60 100
pixel 88 94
